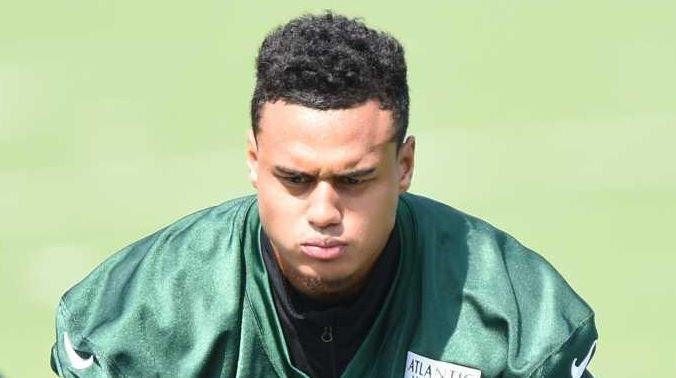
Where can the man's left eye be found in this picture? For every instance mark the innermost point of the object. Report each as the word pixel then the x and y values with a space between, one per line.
pixel 350 181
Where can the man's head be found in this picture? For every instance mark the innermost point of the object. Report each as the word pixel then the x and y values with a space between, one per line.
pixel 327 151
pixel 331 62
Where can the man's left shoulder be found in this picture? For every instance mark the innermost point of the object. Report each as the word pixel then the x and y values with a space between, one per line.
pixel 450 234
pixel 505 288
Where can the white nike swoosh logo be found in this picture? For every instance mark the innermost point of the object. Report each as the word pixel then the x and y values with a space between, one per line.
pixel 75 359
pixel 576 371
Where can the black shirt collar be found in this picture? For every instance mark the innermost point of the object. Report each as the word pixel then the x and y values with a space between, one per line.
pixel 305 320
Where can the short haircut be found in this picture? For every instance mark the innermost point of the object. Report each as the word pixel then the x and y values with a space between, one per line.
pixel 329 61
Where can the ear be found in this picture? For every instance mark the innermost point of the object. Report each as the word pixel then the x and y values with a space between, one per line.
pixel 406 161
pixel 252 158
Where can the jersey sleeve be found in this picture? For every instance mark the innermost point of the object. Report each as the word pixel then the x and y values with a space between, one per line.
pixel 159 305
pixel 573 357
pixel 89 318
pixel 73 355
pixel 92 316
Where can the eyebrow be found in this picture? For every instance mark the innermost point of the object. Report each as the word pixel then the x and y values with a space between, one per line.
pixel 351 173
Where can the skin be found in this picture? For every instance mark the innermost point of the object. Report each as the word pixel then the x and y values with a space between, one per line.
pixel 328 183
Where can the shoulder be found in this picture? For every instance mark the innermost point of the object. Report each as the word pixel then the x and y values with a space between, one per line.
pixel 178 246
pixel 151 296
pixel 504 287
pixel 449 234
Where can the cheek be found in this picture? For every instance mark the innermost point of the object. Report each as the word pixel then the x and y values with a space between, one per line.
pixel 273 207
pixel 279 212
pixel 372 213
pixel 272 195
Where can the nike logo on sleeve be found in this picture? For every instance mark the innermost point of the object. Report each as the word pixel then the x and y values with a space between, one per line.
pixel 576 371
pixel 75 360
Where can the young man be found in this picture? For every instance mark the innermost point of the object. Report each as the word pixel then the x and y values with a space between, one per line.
pixel 331 269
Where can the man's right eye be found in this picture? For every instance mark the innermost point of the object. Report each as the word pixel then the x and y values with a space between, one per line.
pixel 296 180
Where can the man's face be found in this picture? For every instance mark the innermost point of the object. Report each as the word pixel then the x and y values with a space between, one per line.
pixel 328 183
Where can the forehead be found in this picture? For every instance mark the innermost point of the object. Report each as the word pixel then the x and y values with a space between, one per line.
pixel 290 121
pixel 308 133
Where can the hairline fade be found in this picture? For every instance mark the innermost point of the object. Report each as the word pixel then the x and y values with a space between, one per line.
pixel 329 61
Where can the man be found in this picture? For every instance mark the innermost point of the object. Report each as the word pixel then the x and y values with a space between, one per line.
pixel 331 269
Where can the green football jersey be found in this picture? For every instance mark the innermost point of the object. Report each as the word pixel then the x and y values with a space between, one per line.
pixel 194 299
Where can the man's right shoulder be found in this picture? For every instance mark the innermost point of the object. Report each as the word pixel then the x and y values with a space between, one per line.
pixel 209 228
pixel 163 281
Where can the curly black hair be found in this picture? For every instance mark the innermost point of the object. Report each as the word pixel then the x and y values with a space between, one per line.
pixel 329 61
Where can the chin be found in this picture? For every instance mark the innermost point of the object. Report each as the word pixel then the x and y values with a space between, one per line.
pixel 324 280
pixel 327 275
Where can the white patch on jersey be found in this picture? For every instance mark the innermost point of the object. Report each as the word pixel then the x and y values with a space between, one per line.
pixel 422 367
pixel 576 371
pixel 75 360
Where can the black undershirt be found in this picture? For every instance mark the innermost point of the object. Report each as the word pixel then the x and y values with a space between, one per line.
pixel 322 338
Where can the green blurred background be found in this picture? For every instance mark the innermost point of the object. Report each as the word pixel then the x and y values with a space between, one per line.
pixel 554 120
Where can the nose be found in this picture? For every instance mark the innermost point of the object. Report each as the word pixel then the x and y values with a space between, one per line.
pixel 324 207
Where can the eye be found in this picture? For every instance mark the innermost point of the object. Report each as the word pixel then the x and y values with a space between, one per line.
pixel 350 181
pixel 296 179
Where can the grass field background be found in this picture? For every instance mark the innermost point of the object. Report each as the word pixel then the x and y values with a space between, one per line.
pixel 554 120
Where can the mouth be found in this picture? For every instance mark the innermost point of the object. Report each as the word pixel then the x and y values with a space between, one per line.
pixel 323 250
